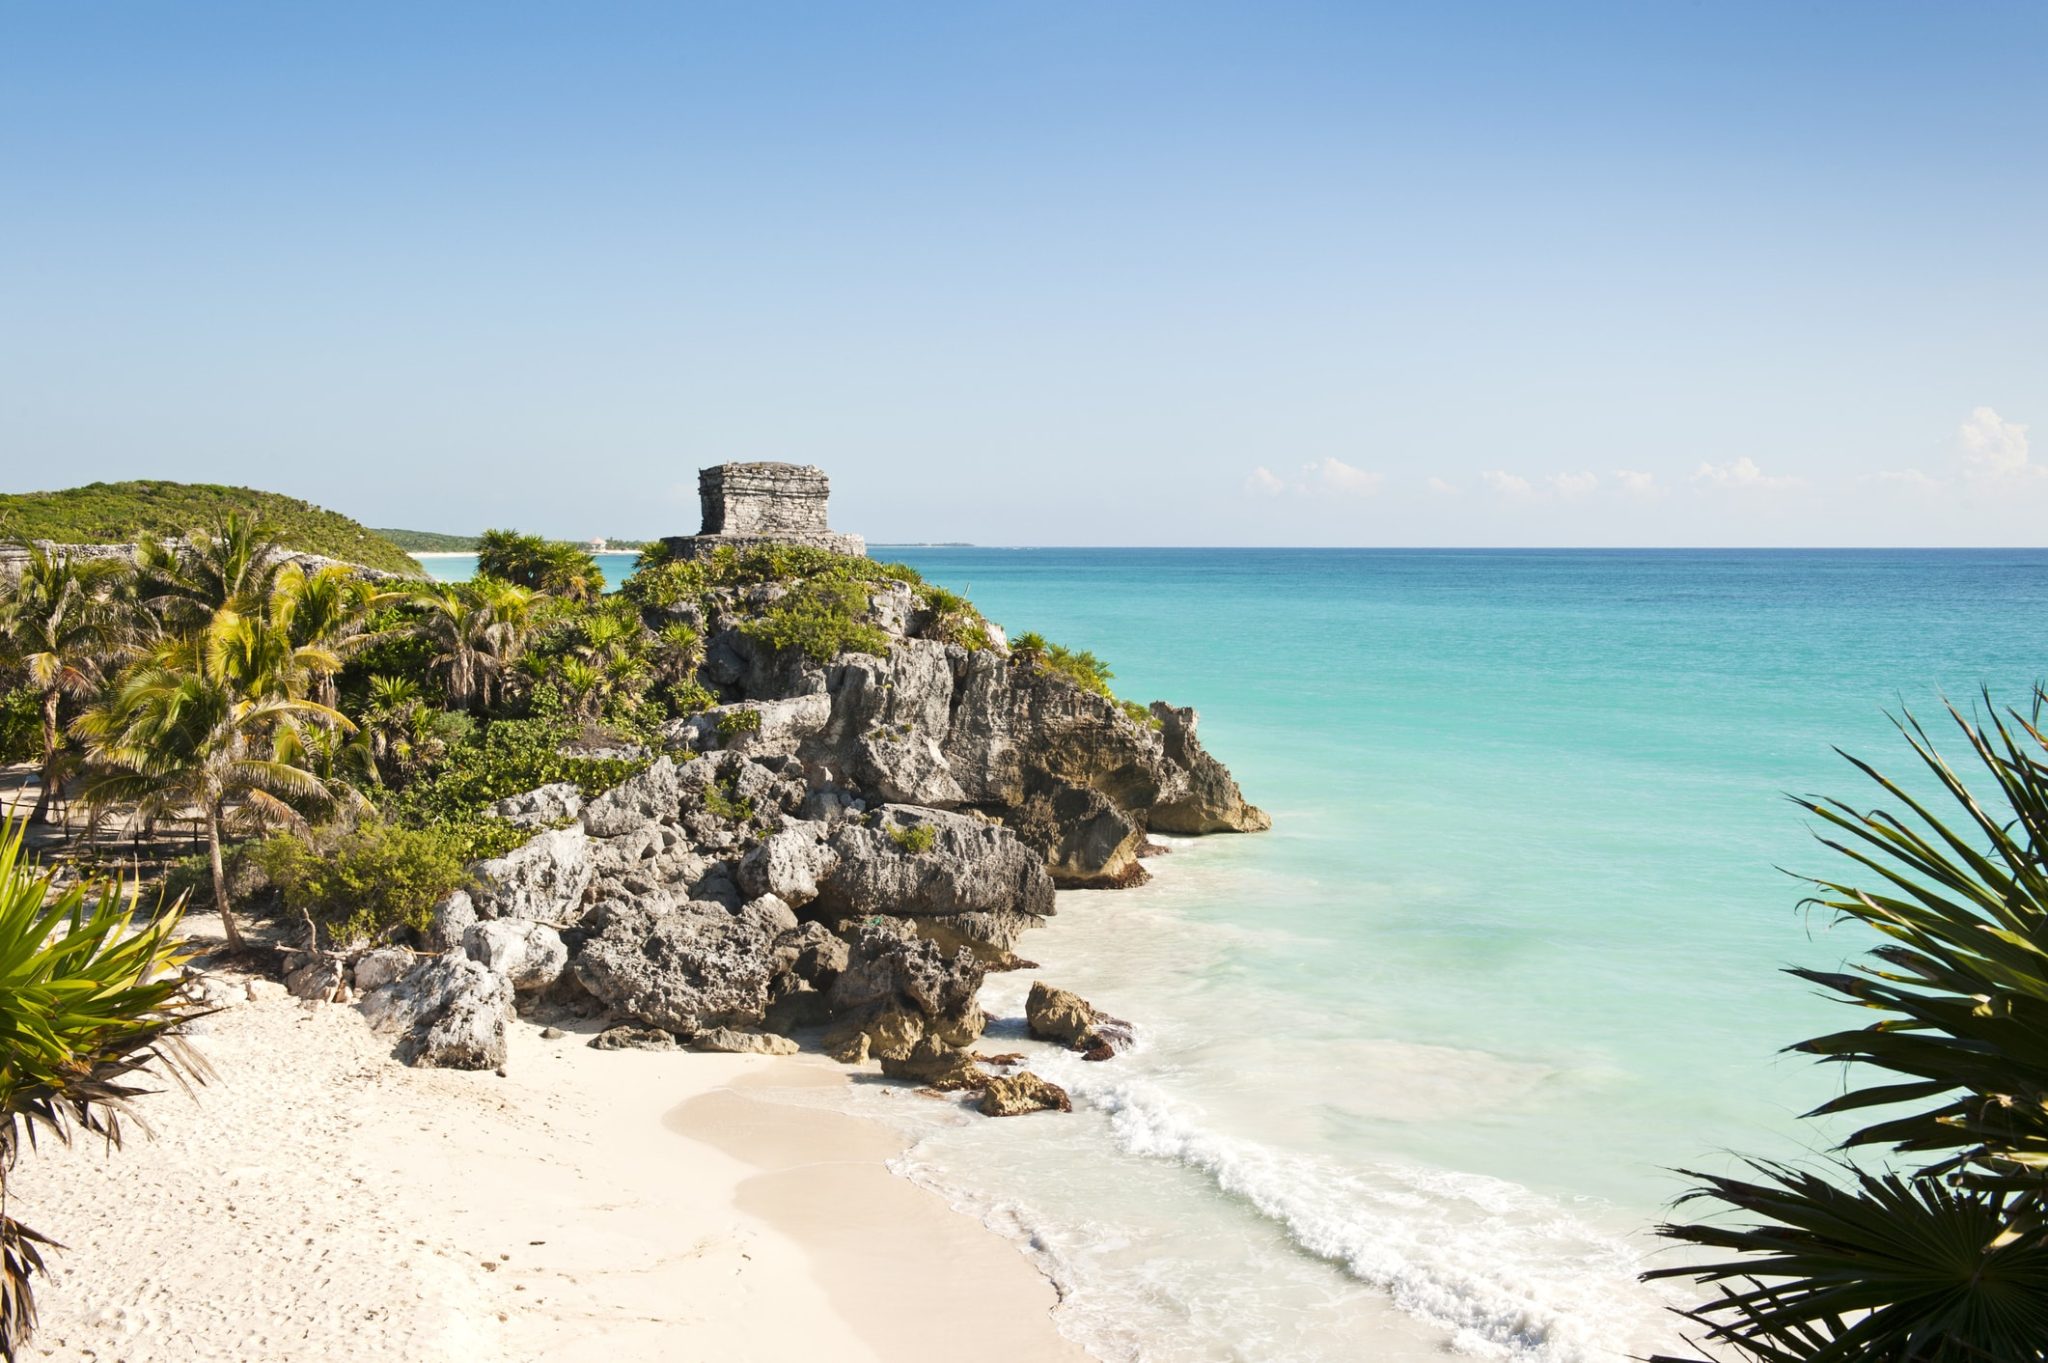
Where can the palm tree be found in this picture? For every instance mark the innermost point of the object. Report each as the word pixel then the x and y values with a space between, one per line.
pixel 330 609
pixel 90 1002
pixel 60 623
pixel 477 631
pixel 183 728
pixel 233 565
pixel 1948 1261
pixel 557 568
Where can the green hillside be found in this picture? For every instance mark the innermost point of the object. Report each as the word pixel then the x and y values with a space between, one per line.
pixel 116 513
pixel 428 541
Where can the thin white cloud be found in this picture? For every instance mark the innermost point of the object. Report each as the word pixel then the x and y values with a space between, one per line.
pixel 1573 484
pixel 1637 483
pixel 1322 476
pixel 1913 479
pixel 1335 475
pixel 1743 473
pixel 1505 483
pixel 1444 489
pixel 1994 448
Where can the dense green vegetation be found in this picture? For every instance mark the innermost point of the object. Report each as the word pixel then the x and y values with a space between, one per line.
pixel 122 513
pixel 90 1002
pixel 1946 1261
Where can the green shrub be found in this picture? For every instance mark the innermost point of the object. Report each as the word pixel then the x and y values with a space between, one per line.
pixel 363 882
pixel 735 722
pixel 685 698
pixel 510 757
pixel 914 838
pixel 821 618
pixel 723 799
pixel 665 584
pixel 1078 666
pixel 1140 715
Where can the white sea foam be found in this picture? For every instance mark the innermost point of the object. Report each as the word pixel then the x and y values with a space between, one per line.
pixel 1506 1272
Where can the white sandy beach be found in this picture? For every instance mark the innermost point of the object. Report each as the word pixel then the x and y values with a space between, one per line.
pixel 319 1201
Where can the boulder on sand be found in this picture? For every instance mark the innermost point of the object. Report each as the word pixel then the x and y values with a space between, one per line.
pixel 447 1011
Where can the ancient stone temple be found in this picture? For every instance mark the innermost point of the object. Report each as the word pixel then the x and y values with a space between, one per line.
pixel 750 504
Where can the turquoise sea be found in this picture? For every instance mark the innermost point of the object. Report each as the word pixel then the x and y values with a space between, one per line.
pixel 1415 1066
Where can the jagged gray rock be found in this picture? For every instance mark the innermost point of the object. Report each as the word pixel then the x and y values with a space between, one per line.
pixel 970 866
pixel 549 804
pixel 788 864
pixel 641 801
pixel 531 955
pixel 376 968
pixel 684 967
pixel 543 878
pixel 449 919
pixel 447 1011
pixel 890 965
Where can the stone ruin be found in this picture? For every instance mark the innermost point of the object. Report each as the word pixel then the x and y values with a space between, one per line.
pixel 751 504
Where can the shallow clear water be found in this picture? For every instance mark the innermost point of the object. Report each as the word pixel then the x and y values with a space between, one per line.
pixel 1415 1064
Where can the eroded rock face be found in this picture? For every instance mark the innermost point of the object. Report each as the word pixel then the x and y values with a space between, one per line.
pixel 1210 801
pixel 891 966
pixel 542 879
pixel 447 1011
pixel 1014 1095
pixel 685 967
pixel 968 866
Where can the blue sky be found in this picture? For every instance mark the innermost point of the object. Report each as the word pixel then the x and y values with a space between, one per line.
pixel 1262 273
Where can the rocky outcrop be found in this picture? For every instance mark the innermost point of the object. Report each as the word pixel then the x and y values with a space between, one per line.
pixel 1210 801
pixel 846 845
pixel 447 1011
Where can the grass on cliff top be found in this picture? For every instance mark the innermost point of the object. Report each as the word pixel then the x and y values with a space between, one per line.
pixel 119 513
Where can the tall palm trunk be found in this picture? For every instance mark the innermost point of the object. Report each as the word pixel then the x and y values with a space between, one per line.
pixel 220 877
pixel 48 780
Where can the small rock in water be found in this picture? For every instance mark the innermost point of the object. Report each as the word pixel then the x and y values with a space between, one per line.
pixel 1014 1095
pixel 631 1037
pixel 1058 1015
